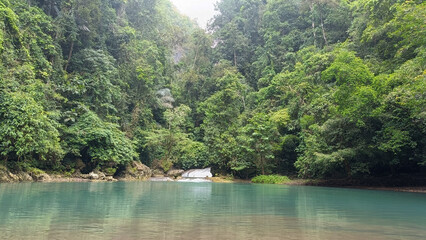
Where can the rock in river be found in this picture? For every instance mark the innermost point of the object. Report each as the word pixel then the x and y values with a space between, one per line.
pixel 175 173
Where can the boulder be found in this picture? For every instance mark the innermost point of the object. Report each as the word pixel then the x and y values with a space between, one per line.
pixel 24 177
pixel 43 177
pixel 93 176
pixel 101 175
pixel 175 173
pixel 13 177
pixel 7 176
pixel 110 179
pixel 4 176
pixel 158 173
pixel 77 174
pixel 136 171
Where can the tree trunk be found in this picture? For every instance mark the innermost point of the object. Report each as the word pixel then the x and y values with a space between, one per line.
pixel 195 58
pixel 348 169
pixel 235 58
pixel 69 55
pixel 323 30
pixel 313 23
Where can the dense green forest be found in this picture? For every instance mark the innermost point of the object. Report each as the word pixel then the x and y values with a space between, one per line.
pixel 318 88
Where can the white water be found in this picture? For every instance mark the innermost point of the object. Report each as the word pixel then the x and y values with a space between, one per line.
pixel 161 179
pixel 198 180
pixel 197 173
pixel 193 175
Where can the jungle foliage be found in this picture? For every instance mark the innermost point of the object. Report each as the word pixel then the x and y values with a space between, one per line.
pixel 321 88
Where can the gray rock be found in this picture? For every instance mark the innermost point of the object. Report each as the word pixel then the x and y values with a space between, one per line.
pixel 136 171
pixel 100 174
pixel 24 177
pixel 110 179
pixel 93 176
pixel 13 177
pixel 7 176
pixel 4 176
pixel 158 173
pixel 175 173
pixel 44 177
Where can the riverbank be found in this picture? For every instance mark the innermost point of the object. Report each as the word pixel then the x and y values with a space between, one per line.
pixel 133 171
pixel 140 172
pixel 417 185
pixel 401 184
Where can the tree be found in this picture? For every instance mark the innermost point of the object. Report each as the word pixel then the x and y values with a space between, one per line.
pixel 98 143
pixel 261 136
pixel 165 143
pixel 27 132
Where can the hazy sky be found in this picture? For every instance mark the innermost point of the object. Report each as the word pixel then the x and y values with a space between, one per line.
pixel 201 10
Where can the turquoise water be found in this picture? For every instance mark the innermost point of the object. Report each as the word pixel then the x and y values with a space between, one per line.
pixel 171 210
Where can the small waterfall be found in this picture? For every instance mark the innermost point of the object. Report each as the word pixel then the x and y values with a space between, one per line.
pixel 193 175
pixel 196 175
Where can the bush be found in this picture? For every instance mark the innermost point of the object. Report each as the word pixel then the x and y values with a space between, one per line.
pixel 110 171
pixel 35 171
pixel 270 179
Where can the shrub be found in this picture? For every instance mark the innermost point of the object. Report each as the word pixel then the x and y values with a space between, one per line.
pixel 35 171
pixel 270 179
pixel 110 171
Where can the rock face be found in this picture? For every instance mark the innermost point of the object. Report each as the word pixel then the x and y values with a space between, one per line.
pixel 7 176
pixel 197 173
pixel 175 173
pixel 136 171
pixel 42 178
pixel 4 176
pixel 24 177
pixel 157 173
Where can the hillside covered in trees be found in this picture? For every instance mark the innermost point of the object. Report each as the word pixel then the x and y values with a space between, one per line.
pixel 318 88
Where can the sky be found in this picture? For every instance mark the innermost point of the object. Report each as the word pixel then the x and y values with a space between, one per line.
pixel 201 10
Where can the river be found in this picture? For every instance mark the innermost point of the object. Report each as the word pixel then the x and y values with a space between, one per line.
pixel 179 210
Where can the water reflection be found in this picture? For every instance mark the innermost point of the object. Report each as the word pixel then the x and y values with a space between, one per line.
pixel 172 210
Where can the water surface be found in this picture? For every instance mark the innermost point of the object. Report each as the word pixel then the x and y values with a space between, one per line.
pixel 173 210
